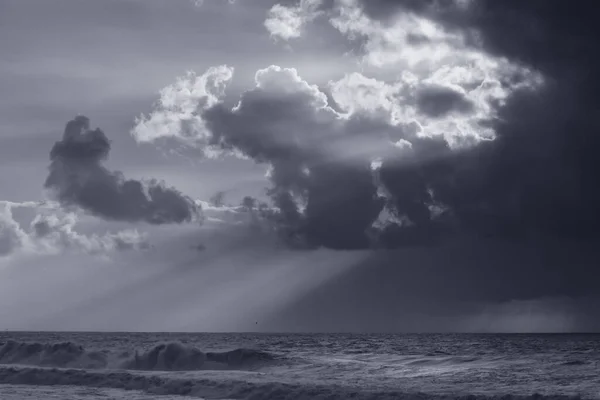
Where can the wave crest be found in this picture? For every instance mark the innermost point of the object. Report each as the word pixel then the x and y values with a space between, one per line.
pixel 173 356
pixel 65 354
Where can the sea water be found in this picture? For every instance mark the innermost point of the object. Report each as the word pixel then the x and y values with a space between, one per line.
pixel 82 366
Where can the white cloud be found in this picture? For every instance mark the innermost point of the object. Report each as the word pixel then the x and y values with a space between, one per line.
pixel 286 81
pixel 409 40
pixel 357 93
pixel 430 56
pixel 418 106
pixel 296 115
pixel 180 117
pixel 177 112
pixel 284 112
pixel 444 86
pixel 53 232
pixel 287 22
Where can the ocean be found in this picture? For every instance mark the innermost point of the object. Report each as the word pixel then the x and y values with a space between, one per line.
pixel 135 366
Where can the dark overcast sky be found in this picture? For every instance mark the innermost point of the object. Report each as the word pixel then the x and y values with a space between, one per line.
pixel 424 165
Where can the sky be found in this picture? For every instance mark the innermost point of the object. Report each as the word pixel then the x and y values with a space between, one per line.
pixel 299 165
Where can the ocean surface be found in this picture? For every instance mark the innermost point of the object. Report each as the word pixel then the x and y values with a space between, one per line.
pixel 135 366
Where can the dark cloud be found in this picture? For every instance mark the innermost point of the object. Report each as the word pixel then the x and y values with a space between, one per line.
pixel 539 176
pixel 321 201
pixel 78 178
pixel 328 194
pixel 437 101
pixel 342 204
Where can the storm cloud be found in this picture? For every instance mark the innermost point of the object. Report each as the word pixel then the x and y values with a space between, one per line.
pixel 472 139
pixel 334 171
pixel 539 176
pixel 78 178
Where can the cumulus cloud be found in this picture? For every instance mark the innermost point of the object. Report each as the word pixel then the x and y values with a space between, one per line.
pixel 470 137
pixel 177 112
pixel 78 178
pixel 324 186
pixel 442 75
pixel 52 232
pixel 406 39
pixel 286 122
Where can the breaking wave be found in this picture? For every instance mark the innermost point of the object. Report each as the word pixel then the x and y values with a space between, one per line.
pixel 178 357
pixel 172 356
